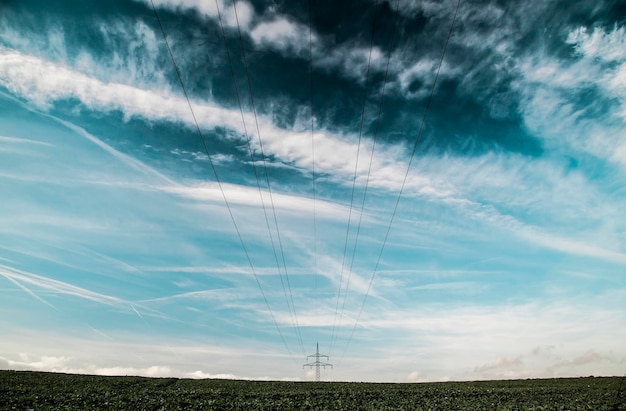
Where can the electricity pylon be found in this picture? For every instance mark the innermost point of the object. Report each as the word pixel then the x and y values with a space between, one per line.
pixel 317 363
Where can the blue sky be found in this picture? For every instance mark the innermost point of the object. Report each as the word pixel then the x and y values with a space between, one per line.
pixel 125 249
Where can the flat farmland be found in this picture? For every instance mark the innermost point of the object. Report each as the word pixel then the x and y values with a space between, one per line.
pixel 25 390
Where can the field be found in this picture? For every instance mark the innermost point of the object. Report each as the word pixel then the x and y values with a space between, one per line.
pixel 24 390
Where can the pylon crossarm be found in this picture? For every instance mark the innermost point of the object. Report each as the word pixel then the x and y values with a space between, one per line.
pixel 317 356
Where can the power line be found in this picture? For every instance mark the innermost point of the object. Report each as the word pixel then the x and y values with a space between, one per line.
pixel 395 209
pixel 217 179
pixel 269 187
pixel 315 274
pixel 256 175
pixel 369 169
pixel 356 165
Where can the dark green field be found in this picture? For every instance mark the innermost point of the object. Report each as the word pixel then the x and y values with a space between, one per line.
pixel 23 390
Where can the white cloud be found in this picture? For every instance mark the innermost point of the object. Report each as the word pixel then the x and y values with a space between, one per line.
pixel 552 90
pixel 440 179
pixel 44 83
pixel 123 158
pixel 19 140
pixel 283 35
pixel 50 284
pixel 209 8
pixel 70 365
pixel 249 196
pixel 142 355
pixel 511 334
pixel 239 15
pixel 599 44
pixel 527 340
pixel 132 53
pixel 573 247
pixel 20 146
pixel 134 58
pixel 600 47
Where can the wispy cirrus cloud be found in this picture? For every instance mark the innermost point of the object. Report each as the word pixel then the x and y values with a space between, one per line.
pixel 44 83
pixel 587 95
pixel 19 141
pixel 608 46
pixel 50 284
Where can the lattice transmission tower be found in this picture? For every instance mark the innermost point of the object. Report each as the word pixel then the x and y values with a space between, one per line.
pixel 315 362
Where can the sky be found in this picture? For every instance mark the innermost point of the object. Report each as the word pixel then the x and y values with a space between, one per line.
pixel 432 190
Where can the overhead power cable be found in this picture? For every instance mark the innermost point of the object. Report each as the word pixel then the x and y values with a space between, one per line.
pixel 369 168
pixel 356 166
pixel 269 187
pixel 254 167
pixel 395 209
pixel 217 179
pixel 315 274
